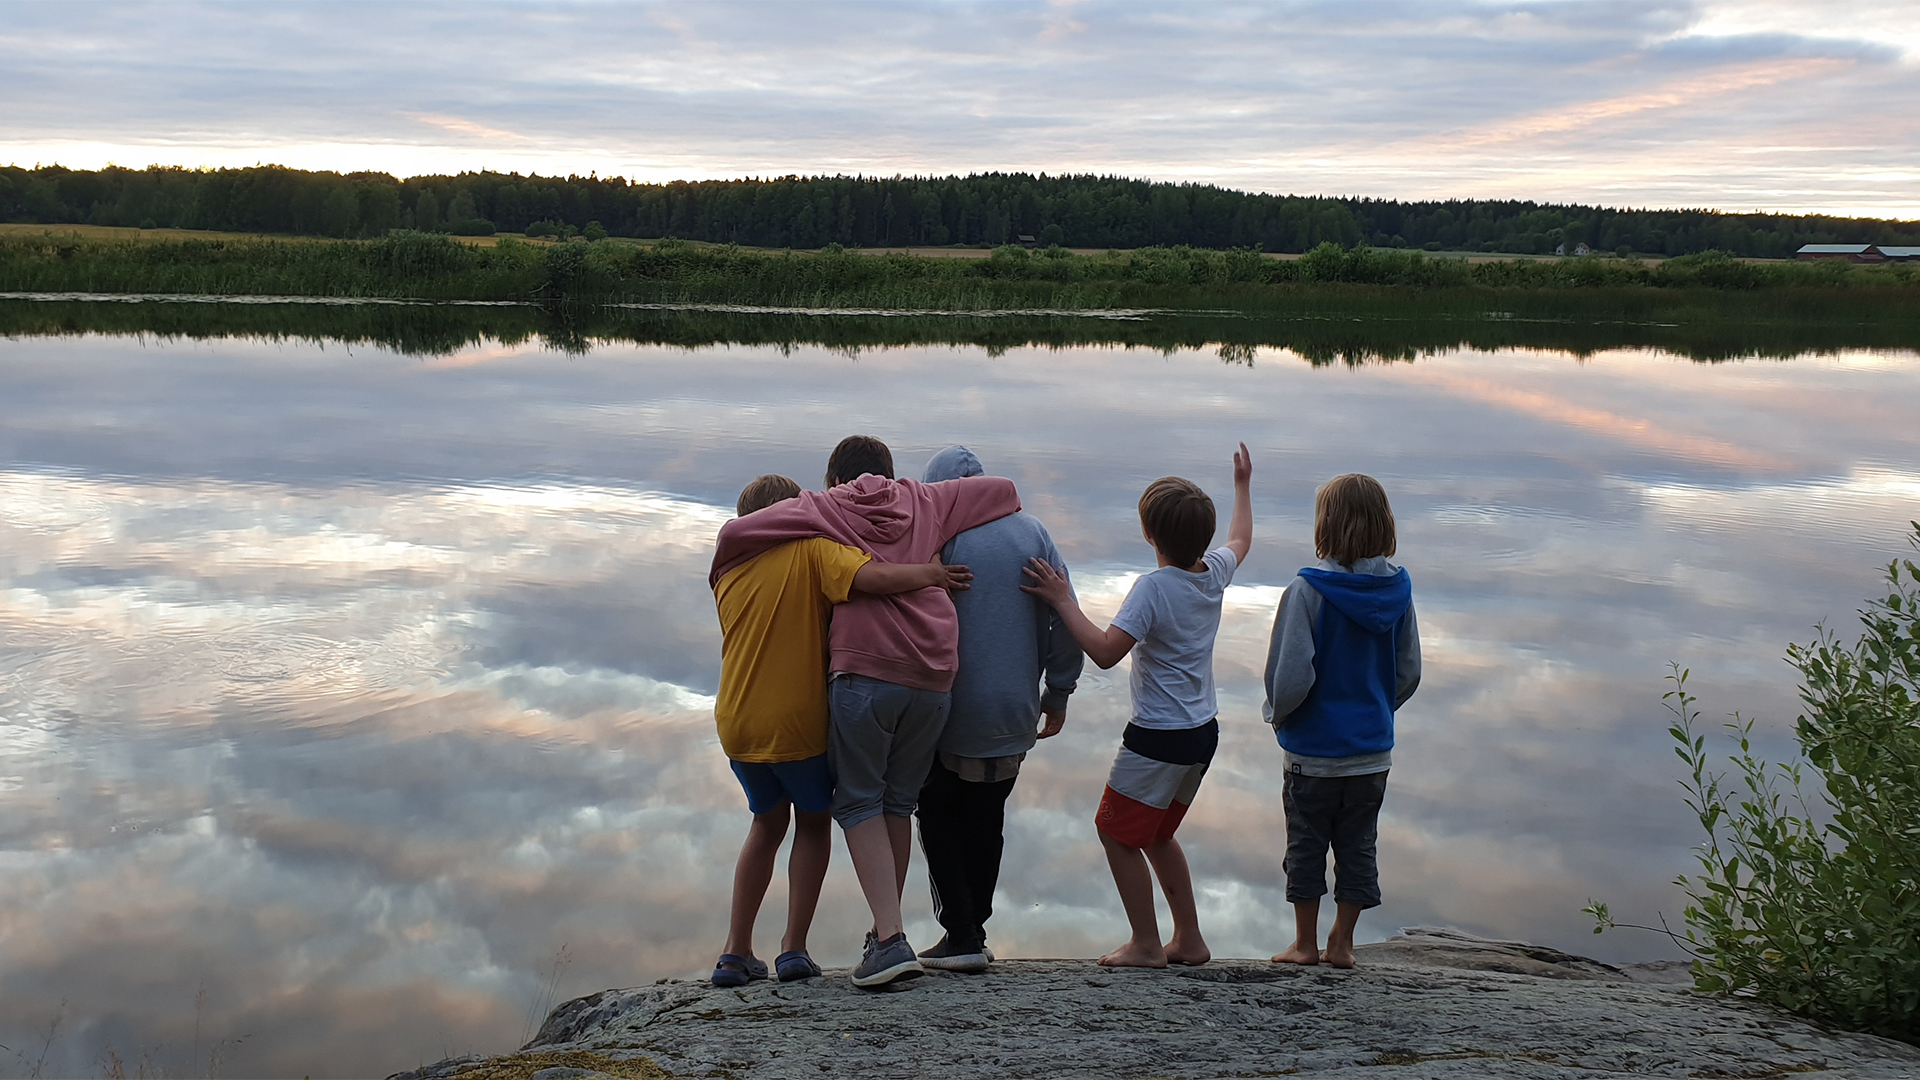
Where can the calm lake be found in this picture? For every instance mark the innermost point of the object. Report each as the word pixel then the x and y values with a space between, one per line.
pixel 355 695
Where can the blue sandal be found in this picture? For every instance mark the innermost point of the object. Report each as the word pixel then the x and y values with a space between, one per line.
pixel 731 970
pixel 796 965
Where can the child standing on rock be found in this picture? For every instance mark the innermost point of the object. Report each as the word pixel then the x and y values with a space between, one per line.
pixel 1345 656
pixel 1173 616
pixel 772 715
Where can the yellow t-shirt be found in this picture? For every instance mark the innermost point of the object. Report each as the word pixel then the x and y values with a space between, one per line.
pixel 772 704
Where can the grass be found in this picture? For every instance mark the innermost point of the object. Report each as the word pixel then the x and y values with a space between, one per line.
pixel 428 266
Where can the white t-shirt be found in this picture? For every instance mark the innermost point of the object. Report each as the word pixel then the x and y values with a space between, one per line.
pixel 1174 615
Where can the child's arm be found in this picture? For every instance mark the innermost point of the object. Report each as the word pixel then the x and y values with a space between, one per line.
pixel 885 579
pixel 1406 663
pixel 1240 529
pixel 1290 654
pixel 1103 647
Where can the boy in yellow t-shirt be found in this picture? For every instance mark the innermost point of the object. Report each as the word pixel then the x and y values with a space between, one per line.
pixel 772 716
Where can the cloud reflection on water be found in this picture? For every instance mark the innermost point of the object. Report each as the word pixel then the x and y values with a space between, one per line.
pixel 349 689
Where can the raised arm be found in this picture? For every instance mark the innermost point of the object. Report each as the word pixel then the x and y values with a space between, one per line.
pixel 1103 647
pixel 1240 529
pixel 885 579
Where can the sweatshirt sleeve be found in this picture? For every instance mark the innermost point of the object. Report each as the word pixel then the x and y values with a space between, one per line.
pixel 971 501
pixel 1062 654
pixel 763 530
pixel 1290 654
pixel 1406 661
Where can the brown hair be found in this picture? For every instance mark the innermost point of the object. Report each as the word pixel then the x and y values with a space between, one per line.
pixel 1178 517
pixel 856 456
pixel 1352 520
pixel 764 491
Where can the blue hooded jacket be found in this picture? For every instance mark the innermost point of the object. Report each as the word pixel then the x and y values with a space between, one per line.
pixel 1361 660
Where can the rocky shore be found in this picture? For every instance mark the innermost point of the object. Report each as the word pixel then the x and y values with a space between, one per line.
pixel 1429 1003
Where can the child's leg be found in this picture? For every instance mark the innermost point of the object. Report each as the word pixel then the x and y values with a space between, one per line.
pixel 752 873
pixel 1340 938
pixel 900 835
pixel 1135 882
pixel 1356 868
pixel 987 821
pixel 1176 881
pixel 806 873
pixel 942 815
pixel 1309 802
pixel 871 849
pixel 863 715
pixel 1306 934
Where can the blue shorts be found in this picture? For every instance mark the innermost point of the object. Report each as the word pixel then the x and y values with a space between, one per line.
pixel 807 784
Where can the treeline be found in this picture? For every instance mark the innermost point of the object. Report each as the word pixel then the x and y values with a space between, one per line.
pixel 987 209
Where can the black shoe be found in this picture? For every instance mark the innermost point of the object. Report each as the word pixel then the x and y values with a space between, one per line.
pixel 960 957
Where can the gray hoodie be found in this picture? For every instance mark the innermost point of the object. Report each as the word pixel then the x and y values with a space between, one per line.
pixel 1009 641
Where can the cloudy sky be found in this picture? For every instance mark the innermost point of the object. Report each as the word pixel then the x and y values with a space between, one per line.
pixel 1788 106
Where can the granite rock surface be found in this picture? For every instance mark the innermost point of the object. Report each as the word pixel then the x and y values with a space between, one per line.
pixel 1430 1003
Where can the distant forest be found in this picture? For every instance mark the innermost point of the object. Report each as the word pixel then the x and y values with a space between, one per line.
pixel 988 209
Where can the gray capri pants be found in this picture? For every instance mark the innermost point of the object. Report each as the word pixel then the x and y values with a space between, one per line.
pixel 881 741
pixel 1338 812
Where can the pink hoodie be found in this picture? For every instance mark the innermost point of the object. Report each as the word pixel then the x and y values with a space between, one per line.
pixel 912 639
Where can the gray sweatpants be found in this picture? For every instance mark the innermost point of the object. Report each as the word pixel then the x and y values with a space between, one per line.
pixel 1338 812
pixel 881 741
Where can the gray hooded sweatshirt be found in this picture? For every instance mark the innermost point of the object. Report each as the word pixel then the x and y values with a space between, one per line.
pixel 1009 641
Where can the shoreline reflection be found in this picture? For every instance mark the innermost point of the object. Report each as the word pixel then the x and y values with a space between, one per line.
pixel 348 689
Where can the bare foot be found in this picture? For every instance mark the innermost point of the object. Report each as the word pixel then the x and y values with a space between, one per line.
pixel 1179 951
pixel 1134 954
pixel 1298 954
pixel 1340 952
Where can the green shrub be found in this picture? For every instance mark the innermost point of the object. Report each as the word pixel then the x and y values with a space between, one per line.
pixel 1818 912
pixel 470 227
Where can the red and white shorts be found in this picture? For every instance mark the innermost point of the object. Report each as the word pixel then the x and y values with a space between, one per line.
pixel 1147 797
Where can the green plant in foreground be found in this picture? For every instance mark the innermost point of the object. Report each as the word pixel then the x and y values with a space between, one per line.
pixel 1817 912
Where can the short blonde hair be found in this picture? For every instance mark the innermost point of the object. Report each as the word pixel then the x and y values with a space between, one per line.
pixel 1179 519
pixel 764 491
pixel 1352 520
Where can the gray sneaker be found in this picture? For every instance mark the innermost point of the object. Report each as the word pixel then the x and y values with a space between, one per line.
pixel 887 961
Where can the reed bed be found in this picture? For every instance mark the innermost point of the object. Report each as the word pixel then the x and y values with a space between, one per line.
pixel 431 266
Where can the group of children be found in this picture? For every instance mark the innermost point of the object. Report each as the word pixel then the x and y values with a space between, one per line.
pixel 893 646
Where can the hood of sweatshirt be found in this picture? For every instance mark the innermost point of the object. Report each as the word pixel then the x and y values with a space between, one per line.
pixel 1376 601
pixel 953 463
pixel 877 510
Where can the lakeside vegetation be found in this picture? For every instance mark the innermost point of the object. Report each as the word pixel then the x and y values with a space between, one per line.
pixel 1351 325
pixel 1809 892
pixel 809 212
pixel 429 266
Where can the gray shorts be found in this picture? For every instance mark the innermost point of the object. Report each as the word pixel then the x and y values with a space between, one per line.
pixel 1341 813
pixel 881 740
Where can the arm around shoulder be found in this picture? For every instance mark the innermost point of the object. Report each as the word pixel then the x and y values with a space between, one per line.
pixel 973 500
pixel 1103 647
pixel 886 579
pixel 1063 656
